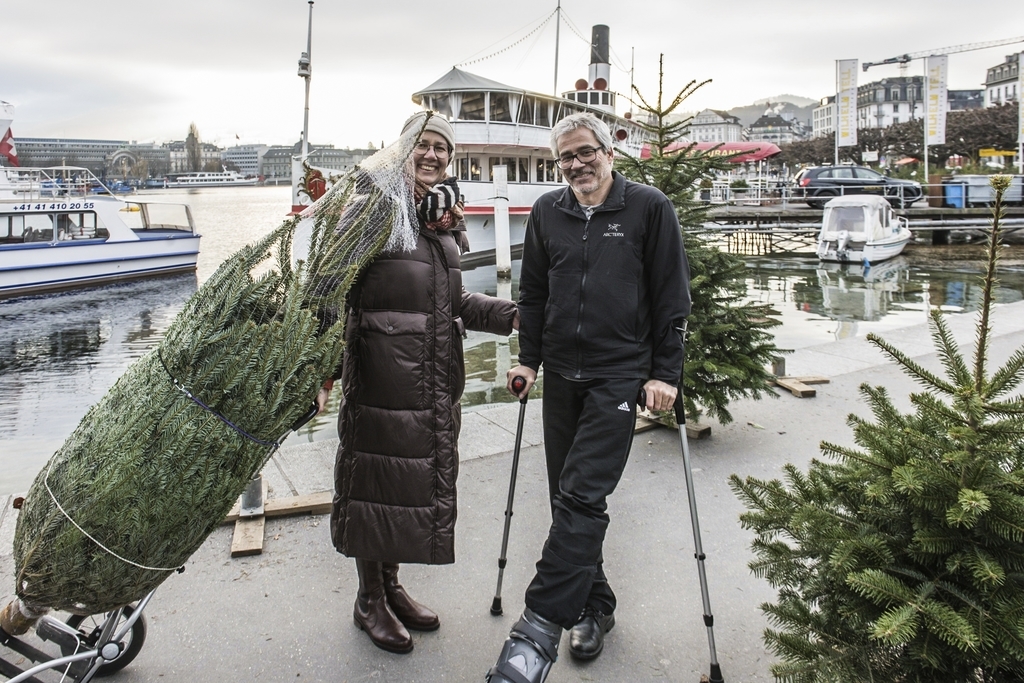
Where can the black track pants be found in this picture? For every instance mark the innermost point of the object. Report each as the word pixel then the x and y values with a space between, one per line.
pixel 588 431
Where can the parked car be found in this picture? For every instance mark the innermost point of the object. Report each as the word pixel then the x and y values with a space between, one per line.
pixel 818 184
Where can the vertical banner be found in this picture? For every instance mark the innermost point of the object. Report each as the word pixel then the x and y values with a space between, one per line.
pixel 935 97
pixel 846 102
pixel 1020 99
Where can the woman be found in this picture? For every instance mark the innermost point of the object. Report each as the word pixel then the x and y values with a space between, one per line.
pixel 402 379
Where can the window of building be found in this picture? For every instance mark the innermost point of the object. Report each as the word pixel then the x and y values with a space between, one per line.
pixel 467 168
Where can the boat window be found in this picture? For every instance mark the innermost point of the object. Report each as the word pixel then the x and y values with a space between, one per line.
pixel 595 98
pixel 467 168
pixel 500 110
pixel 543 113
pixel 849 218
pixel 526 110
pixel 518 171
pixel 76 226
pixel 604 98
pixel 38 227
pixel 472 107
pixel 166 217
pixel 12 230
pixel 548 171
pixel 442 105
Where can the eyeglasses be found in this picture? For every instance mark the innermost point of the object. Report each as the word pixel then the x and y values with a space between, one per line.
pixel 440 149
pixel 585 156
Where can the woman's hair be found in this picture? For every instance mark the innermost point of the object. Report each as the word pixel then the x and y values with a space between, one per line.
pixel 582 120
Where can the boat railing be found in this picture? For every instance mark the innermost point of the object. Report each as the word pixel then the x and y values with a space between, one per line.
pixel 31 184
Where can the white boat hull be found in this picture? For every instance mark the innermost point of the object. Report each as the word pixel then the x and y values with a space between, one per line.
pixel 34 269
pixel 872 252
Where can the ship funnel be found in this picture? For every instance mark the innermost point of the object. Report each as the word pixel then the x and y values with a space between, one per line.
pixel 600 65
pixel 599 45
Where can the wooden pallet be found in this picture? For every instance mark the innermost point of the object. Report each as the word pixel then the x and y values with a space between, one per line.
pixel 694 430
pixel 248 537
pixel 800 386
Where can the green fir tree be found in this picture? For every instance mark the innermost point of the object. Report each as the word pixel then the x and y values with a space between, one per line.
pixel 902 560
pixel 728 343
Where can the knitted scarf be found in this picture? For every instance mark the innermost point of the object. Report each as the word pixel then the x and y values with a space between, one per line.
pixel 440 206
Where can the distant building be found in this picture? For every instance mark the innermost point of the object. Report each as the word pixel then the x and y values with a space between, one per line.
pixel 90 154
pixel 823 117
pixel 777 130
pixel 890 100
pixel 277 161
pixel 965 99
pixel 179 156
pixel 1000 83
pixel 248 158
pixel 102 157
pixel 712 125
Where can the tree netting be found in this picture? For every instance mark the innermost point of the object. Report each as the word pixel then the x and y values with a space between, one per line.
pixel 154 467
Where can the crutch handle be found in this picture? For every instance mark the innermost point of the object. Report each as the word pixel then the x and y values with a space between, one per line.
pixel 518 384
pixel 641 400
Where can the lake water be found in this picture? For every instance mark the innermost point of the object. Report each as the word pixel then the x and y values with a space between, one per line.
pixel 60 353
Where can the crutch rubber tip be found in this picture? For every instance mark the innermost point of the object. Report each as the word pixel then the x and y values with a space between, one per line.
pixel 716 674
pixel 496 607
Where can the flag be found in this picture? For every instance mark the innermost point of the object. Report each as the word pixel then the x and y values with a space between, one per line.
pixel 8 149
pixel 935 99
pixel 846 102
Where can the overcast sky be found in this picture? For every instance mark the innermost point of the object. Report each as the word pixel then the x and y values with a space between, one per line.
pixel 145 70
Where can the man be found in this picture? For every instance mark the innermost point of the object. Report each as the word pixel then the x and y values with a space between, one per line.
pixel 604 289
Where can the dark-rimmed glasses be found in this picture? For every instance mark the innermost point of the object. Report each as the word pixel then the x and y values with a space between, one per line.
pixel 440 149
pixel 585 156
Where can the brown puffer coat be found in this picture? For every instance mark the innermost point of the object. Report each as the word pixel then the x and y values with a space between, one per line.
pixel 402 379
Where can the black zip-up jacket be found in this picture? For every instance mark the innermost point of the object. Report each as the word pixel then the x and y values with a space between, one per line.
pixel 601 298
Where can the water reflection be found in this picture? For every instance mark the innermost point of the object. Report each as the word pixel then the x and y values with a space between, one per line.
pixel 59 354
pixel 820 302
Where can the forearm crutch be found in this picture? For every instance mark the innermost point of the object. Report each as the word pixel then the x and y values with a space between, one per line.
pixel 518 384
pixel 709 619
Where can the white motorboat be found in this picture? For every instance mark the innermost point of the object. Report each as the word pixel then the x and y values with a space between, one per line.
pixel 211 179
pixel 500 125
pixel 861 228
pixel 55 234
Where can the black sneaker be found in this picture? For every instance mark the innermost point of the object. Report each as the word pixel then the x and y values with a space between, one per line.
pixel 586 640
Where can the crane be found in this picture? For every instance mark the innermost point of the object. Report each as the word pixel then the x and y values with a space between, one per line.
pixel 902 60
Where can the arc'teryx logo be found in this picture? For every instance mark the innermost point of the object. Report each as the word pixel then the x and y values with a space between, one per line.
pixel 613 231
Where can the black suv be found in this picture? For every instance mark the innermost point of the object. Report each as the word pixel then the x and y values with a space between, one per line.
pixel 818 184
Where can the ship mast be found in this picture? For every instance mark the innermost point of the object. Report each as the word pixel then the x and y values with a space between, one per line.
pixel 558 25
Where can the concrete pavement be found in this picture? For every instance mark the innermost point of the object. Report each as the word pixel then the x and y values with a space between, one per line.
pixel 286 614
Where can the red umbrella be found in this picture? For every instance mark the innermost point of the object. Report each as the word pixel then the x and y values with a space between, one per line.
pixel 745 151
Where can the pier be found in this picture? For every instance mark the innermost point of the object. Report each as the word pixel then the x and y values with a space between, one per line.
pixel 780 228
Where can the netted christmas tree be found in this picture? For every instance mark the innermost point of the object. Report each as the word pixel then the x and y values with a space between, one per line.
pixel 728 344
pixel 155 466
pixel 903 560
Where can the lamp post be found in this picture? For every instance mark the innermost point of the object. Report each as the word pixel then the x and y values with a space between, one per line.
pixel 306 73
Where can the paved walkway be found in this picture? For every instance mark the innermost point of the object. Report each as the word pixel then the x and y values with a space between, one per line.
pixel 286 614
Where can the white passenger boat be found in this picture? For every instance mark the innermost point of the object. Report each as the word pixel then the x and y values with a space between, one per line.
pixel 501 125
pixel 861 228
pixel 55 235
pixel 212 179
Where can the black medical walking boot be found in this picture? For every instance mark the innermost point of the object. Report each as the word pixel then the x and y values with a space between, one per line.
pixel 586 639
pixel 529 652
pixel 372 613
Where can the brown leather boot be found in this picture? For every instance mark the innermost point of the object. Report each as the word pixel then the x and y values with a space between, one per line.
pixel 409 612
pixel 372 613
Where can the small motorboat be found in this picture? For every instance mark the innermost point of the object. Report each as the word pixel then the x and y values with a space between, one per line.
pixel 861 229
pixel 56 234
